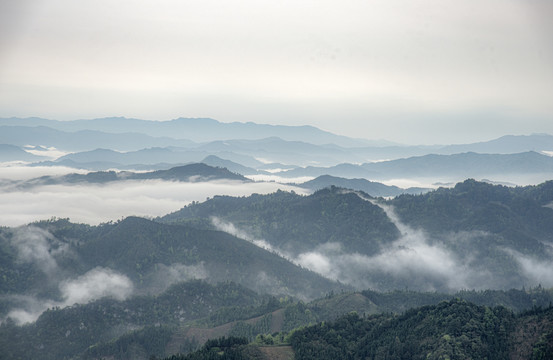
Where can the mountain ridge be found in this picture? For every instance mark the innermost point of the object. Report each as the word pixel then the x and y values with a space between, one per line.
pixel 194 172
pixel 196 129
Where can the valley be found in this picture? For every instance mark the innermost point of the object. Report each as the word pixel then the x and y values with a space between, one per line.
pixel 267 248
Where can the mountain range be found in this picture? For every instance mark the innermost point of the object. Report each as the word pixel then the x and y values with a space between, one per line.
pixel 133 286
pixel 195 129
pixel 484 235
pixel 190 140
pixel 371 188
pixel 201 172
pixel 341 262
pixel 197 172
pixel 452 167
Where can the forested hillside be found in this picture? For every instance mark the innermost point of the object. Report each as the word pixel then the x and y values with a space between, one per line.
pixel 296 223
pixel 474 235
pixel 137 287
pixel 519 214
pixel 276 180
pixel 67 332
pixel 453 329
pixel 152 255
pixel 186 315
pixel 449 330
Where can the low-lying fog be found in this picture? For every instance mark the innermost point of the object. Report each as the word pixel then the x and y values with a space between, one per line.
pixel 94 204
pixel 97 203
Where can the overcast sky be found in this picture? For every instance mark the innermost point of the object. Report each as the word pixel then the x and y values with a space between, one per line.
pixel 432 71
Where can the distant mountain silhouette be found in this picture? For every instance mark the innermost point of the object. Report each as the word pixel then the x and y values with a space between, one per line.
pixel 457 166
pixel 188 173
pixel 372 188
pixel 196 129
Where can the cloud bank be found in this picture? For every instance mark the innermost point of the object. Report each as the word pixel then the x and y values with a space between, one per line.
pixel 94 204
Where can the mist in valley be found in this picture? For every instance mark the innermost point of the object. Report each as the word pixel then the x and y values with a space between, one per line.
pixel 99 203
pixel 296 179
pixel 416 260
pixel 59 287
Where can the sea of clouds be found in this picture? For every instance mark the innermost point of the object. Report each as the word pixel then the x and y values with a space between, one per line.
pixel 98 203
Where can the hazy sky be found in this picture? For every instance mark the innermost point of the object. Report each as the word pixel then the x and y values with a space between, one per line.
pixel 431 71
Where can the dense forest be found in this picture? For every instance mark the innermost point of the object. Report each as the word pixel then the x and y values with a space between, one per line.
pixel 187 314
pixel 296 223
pixel 497 236
pixel 454 329
pixel 467 267
pixel 450 330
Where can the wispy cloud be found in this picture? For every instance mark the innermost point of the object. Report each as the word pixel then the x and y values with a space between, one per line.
pixel 166 275
pixel 228 227
pixel 18 171
pixel 414 260
pixel 37 247
pixel 95 284
pixel 536 271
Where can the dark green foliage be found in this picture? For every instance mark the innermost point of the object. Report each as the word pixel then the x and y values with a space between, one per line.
pixel 491 230
pixel 497 218
pixel 111 325
pixel 229 314
pixel 300 223
pixel 231 348
pixel 517 300
pixel 250 331
pixel 516 214
pixel 150 340
pixel 454 330
pixel 543 349
pixel 299 314
pixel 542 193
pixel 140 249
pixel 60 333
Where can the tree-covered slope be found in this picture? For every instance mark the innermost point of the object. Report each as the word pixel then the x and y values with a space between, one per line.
pixel 63 333
pixel 518 215
pixel 449 330
pixel 453 329
pixel 296 223
pixel 39 258
pixel 187 314
pixel 475 235
pixel 139 247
